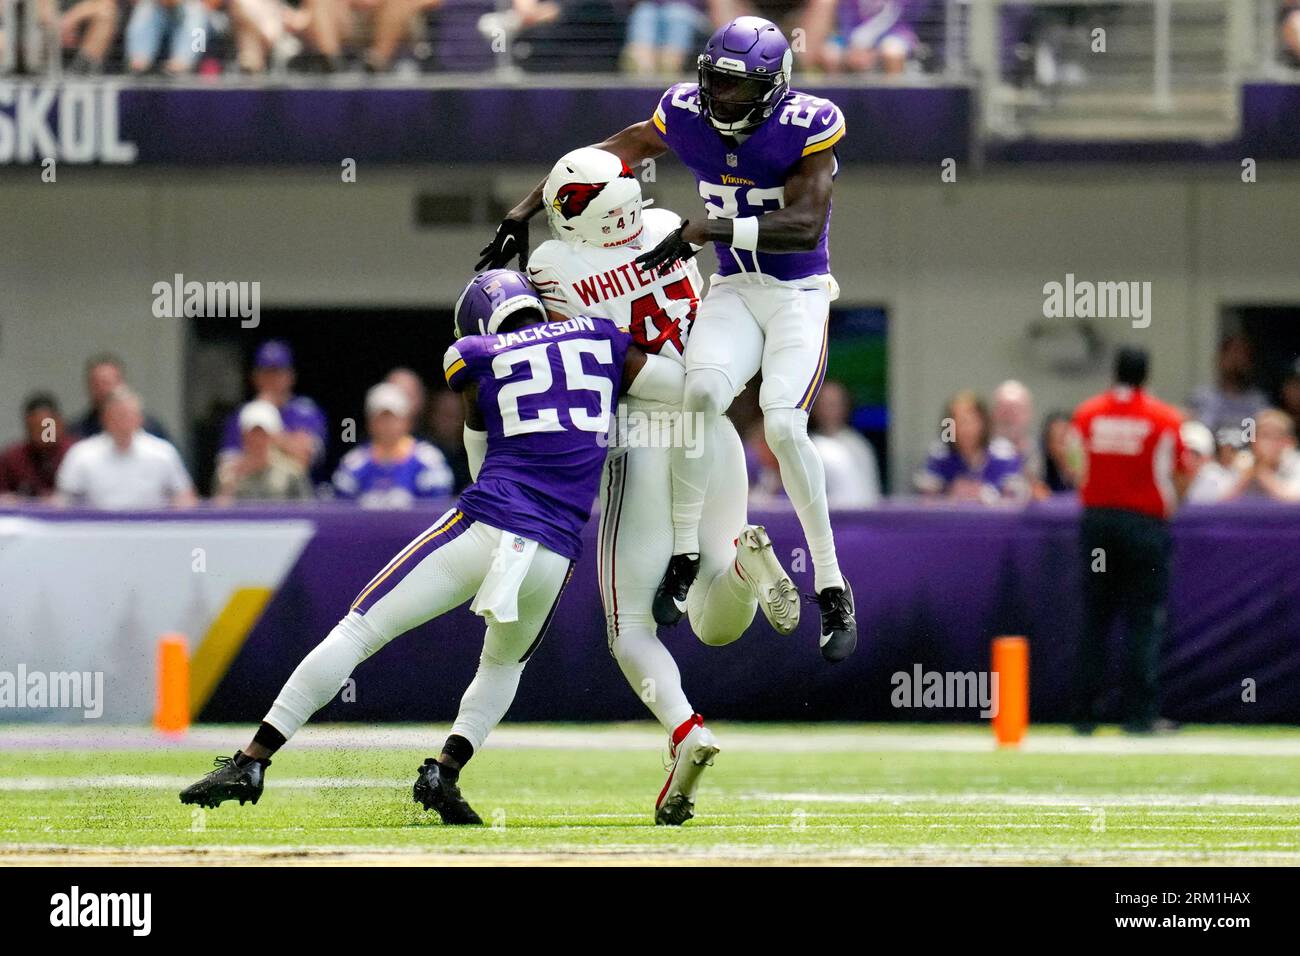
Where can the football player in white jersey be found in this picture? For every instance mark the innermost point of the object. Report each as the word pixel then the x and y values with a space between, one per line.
pixel 596 214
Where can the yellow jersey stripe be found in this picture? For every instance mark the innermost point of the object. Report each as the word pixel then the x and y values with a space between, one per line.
pixel 824 144
pixel 411 549
pixel 455 367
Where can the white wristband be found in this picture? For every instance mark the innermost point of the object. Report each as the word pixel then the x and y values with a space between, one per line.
pixel 744 233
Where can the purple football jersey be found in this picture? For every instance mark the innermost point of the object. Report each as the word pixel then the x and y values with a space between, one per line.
pixel 748 179
pixel 545 392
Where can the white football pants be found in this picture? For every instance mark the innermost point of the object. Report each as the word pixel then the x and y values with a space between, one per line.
pixel 745 324
pixel 439 570
pixel 635 544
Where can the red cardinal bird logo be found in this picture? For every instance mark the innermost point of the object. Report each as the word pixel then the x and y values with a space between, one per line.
pixel 572 199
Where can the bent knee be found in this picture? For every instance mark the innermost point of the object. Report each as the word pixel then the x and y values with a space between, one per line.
pixel 707 390
pixel 785 427
pixel 715 636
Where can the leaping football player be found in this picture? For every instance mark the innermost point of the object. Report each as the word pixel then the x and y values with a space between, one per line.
pixel 764 158
pixel 596 213
pixel 537 397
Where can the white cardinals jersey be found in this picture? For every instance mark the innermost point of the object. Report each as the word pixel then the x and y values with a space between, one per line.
pixel 658 311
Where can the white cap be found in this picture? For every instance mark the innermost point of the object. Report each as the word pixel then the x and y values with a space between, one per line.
pixel 387 397
pixel 1198 438
pixel 260 413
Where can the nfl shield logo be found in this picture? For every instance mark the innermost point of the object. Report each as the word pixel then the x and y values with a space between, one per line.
pixel 519 544
pixel 732 160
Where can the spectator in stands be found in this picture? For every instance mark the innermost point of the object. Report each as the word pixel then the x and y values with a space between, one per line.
pixel 172 25
pixel 1290 15
pixel 393 23
pixel 445 425
pixel 868 36
pixel 412 387
pixel 105 373
pixel 575 36
pixel 124 467
pixel 87 26
pixel 304 434
pixel 1274 468
pixel 261 472
pixel 266 33
pixel 1013 422
pixel 1133 465
pixel 852 474
pixel 1290 392
pixel 967 463
pixel 393 470
pixel 1060 460
pixel 1234 397
pixel 662 35
pixel 28 468
pixel 1209 481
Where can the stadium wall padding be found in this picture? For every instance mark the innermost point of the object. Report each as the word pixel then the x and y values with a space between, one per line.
pixel 933 584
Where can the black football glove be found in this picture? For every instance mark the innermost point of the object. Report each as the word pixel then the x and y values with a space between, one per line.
pixel 673 247
pixel 511 240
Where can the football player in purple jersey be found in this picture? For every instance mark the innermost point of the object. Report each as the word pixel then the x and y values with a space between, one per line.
pixel 764 158
pixel 538 397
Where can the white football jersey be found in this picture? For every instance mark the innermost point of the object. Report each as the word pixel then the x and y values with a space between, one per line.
pixel 577 279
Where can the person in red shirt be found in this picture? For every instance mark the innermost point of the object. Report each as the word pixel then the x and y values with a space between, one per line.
pixel 27 468
pixel 1133 476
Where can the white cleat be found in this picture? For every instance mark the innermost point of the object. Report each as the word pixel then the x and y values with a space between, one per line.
pixel 691 755
pixel 776 593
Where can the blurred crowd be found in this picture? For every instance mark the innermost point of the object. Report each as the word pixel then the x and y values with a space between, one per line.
pixel 178 37
pixel 1238 444
pixel 407 445
pixel 1044 45
pixel 115 455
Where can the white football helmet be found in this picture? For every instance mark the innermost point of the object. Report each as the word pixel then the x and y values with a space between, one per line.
pixel 592 197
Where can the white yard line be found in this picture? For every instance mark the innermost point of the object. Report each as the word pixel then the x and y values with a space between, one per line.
pixel 1053 799
pixel 632 854
pixel 734 737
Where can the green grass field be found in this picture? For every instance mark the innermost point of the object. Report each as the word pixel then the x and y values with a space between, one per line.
pixel 783 794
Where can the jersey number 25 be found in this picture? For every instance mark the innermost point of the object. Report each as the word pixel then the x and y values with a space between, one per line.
pixel 540 380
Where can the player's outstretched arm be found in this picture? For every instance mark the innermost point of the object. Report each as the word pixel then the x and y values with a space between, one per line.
pixel 638 142
pixel 654 378
pixel 797 227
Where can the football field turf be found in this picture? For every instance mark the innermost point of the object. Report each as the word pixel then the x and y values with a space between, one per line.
pixel 585 794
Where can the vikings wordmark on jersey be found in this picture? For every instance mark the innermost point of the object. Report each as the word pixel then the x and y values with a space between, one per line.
pixel 748 179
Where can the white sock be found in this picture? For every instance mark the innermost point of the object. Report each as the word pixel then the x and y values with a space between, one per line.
pixel 706 396
pixel 651 671
pixel 487 699
pixel 318 678
pixel 804 479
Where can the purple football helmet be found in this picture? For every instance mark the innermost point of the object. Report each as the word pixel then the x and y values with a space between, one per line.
pixel 490 298
pixel 744 74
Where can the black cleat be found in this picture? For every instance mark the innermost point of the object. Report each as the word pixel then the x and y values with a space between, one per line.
pixel 230 781
pixel 435 789
pixel 839 627
pixel 670 597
